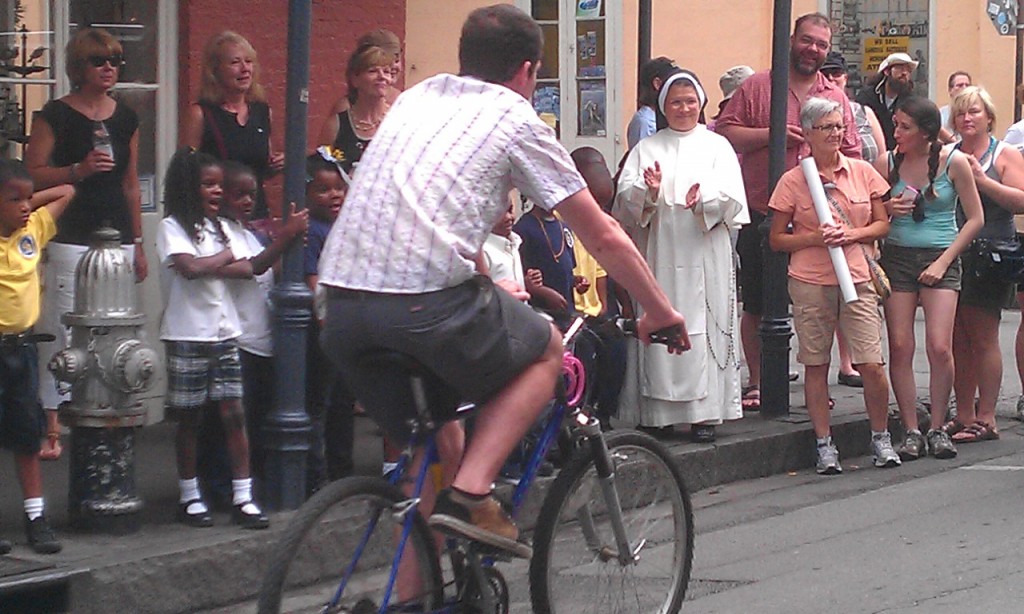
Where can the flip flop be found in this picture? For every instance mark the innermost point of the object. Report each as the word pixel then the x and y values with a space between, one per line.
pixel 751 400
pixel 979 431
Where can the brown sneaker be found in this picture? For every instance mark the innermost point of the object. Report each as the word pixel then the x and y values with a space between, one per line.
pixel 481 521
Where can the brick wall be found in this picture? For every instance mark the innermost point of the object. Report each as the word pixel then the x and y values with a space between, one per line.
pixel 336 26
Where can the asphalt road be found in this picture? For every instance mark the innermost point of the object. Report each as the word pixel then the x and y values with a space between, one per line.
pixel 932 536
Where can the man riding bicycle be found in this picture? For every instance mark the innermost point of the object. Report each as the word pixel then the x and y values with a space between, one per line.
pixel 399 265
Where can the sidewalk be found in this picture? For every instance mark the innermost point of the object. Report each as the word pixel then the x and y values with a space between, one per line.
pixel 169 568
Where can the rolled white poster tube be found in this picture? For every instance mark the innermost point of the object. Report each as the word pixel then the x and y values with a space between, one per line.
pixel 824 211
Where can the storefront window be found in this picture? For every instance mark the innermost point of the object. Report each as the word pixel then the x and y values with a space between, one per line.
pixel 867 32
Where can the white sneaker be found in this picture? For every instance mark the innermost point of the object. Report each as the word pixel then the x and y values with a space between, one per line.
pixel 881 447
pixel 828 459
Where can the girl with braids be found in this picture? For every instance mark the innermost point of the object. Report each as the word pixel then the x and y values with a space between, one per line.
pixel 999 173
pixel 200 326
pixel 921 258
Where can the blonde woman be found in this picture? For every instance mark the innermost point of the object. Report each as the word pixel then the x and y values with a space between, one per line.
pixel 232 120
pixel 998 171
pixel 91 140
pixel 370 76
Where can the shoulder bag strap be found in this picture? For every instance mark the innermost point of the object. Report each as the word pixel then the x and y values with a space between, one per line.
pixel 215 131
pixel 846 220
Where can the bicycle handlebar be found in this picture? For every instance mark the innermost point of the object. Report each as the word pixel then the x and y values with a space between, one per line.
pixel 670 337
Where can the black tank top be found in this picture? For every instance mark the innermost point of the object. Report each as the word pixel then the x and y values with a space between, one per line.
pixel 99 199
pixel 348 141
pixel 248 144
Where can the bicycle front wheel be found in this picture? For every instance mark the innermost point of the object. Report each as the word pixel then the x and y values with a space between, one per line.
pixel 337 554
pixel 576 567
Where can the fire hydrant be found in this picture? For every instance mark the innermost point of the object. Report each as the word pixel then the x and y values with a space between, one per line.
pixel 106 368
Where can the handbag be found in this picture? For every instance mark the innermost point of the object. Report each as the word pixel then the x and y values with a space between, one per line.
pixel 1000 260
pixel 879 279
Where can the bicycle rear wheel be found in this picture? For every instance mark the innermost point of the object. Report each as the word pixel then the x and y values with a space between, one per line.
pixel 574 567
pixel 308 569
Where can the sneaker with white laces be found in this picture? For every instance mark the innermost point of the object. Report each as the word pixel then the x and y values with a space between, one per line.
pixel 881 447
pixel 828 459
pixel 941 445
pixel 914 446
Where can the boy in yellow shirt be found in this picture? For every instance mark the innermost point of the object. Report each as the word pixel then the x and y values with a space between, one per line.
pixel 27 223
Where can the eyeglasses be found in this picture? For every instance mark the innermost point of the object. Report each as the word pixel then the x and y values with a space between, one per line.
pixel 918 213
pixel 828 128
pixel 115 61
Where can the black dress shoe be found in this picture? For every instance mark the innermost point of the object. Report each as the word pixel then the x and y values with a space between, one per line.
pixel 246 520
pixel 702 433
pixel 201 519
pixel 853 380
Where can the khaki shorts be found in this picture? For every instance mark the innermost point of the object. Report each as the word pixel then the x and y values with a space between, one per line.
pixel 818 309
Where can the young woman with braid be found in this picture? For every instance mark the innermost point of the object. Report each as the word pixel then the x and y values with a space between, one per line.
pixel 921 256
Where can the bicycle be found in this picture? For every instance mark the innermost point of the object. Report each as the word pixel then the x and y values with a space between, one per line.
pixel 615 530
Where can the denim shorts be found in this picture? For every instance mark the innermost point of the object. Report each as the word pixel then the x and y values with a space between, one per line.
pixel 21 415
pixel 904 265
pixel 987 294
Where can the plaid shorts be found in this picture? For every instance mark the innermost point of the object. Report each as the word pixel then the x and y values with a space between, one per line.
pixel 201 371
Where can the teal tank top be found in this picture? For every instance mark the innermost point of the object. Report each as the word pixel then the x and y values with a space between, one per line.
pixel 939 228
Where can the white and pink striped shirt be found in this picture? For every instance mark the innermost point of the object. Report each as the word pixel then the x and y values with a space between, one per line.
pixel 434 181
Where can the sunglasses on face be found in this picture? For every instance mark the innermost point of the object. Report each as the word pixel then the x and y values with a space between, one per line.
pixel 115 61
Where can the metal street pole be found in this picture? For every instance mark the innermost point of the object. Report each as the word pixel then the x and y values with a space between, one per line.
pixel 775 325
pixel 643 42
pixel 1018 73
pixel 287 428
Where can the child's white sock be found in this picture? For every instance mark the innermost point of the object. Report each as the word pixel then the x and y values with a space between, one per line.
pixel 241 491
pixel 190 492
pixel 34 508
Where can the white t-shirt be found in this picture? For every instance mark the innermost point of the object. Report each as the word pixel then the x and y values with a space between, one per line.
pixel 433 182
pixel 251 296
pixel 1015 135
pixel 198 309
pixel 502 256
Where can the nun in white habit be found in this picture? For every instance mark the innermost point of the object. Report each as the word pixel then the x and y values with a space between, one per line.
pixel 680 193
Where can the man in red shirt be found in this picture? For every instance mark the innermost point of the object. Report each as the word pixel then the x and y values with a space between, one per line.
pixel 745 122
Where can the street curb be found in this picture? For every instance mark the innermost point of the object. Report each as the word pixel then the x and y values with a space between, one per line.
pixel 226 571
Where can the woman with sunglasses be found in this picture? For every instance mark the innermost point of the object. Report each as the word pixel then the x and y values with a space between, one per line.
pixel 89 139
pixel 921 256
pixel 999 173
pixel 232 119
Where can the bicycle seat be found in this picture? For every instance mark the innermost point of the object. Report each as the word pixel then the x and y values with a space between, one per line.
pixel 396 376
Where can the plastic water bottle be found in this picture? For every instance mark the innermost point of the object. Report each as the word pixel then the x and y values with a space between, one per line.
pixel 101 139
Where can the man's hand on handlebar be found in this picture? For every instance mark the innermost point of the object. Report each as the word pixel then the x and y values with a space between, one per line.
pixel 669 329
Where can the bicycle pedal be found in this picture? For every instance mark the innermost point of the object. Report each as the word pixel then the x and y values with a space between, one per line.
pixel 401 509
pixel 484 550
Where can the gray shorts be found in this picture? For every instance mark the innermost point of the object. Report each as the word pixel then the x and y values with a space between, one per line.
pixel 473 337
pixel 904 265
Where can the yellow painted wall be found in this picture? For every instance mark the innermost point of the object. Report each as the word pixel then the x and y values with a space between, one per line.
pixel 967 40
pixel 432 36
pixel 710 36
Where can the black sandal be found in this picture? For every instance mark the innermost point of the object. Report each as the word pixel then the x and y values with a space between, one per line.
pixel 702 433
pixel 201 519
pixel 246 520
